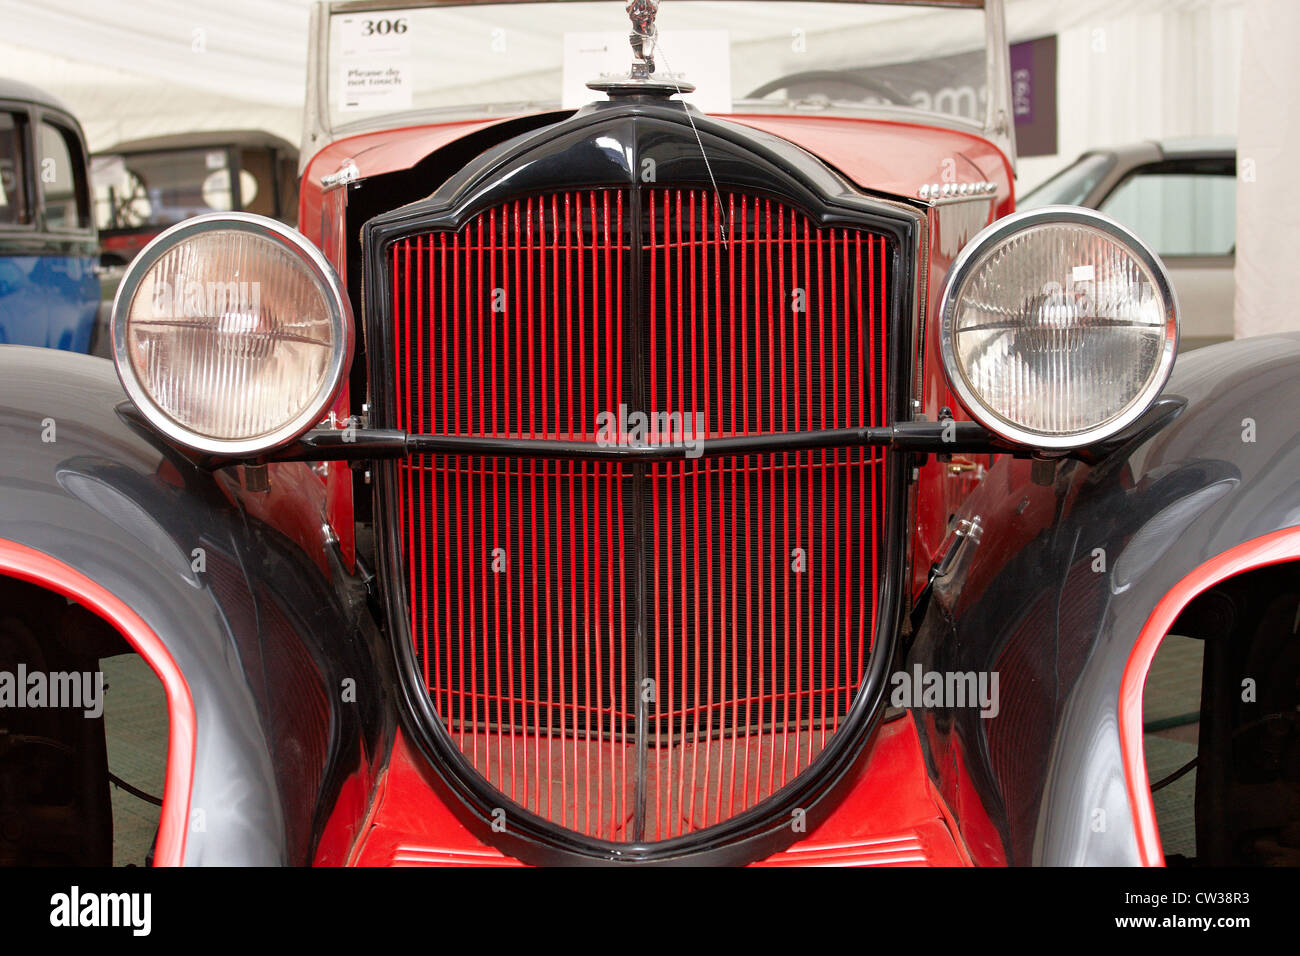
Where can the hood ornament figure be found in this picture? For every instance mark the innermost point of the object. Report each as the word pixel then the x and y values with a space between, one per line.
pixel 640 79
pixel 643 36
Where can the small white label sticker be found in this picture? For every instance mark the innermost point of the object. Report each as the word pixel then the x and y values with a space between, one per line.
pixel 1083 273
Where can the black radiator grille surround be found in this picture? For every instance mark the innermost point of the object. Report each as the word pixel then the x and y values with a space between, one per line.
pixel 497 738
pixel 515 326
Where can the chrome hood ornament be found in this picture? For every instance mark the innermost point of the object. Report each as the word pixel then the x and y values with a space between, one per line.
pixel 640 79
pixel 644 33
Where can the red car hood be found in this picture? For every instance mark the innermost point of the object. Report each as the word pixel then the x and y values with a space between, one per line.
pixel 880 155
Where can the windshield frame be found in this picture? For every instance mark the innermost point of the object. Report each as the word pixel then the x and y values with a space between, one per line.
pixel 1099 165
pixel 319 132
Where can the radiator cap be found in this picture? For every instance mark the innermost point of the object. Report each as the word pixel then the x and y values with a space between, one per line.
pixel 619 87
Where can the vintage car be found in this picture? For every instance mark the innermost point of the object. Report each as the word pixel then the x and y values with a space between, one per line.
pixel 629 483
pixel 49 289
pixel 145 185
pixel 1180 196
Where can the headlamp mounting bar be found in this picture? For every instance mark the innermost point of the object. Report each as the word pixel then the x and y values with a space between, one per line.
pixel 342 444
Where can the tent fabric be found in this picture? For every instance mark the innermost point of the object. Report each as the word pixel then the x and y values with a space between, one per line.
pixel 130 69
pixel 1127 70
pixel 1134 70
pixel 1268 205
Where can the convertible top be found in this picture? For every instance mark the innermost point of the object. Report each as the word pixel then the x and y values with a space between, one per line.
pixel 244 138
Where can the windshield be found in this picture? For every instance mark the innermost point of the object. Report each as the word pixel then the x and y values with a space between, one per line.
pixel 159 189
pixel 1070 186
pixel 145 190
pixel 459 61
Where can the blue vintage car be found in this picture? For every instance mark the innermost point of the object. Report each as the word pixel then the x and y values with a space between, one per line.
pixel 49 250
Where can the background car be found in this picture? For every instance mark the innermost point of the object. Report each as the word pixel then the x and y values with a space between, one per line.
pixel 49 289
pixel 143 186
pixel 1180 196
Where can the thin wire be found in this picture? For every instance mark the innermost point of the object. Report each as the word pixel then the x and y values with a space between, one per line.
pixel 717 196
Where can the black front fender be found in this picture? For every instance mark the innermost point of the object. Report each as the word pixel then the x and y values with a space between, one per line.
pixel 1056 592
pixel 263 637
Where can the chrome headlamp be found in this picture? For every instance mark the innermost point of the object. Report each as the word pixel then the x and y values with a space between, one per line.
pixel 231 334
pixel 1058 327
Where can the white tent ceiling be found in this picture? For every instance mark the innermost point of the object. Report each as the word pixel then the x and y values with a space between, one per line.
pixel 136 68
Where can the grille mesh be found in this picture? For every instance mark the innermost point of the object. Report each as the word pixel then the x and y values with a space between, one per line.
pixel 753 578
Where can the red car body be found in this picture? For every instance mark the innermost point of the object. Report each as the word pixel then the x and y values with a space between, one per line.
pixel 891 813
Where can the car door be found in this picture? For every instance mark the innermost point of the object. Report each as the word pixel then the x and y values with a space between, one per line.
pixel 67 270
pixel 1186 210
pixel 22 300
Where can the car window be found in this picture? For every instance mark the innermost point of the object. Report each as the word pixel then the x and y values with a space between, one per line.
pixel 13 201
pixel 164 187
pixel 1179 214
pixel 62 177
pixel 1071 186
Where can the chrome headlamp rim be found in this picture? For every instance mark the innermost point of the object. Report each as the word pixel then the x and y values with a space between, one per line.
pixel 972 256
pixel 321 271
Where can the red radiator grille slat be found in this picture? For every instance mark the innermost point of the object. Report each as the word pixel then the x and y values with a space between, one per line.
pixel 759 571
